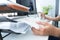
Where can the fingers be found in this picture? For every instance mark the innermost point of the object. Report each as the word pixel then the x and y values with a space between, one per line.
pixel 42 23
pixel 35 31
pixel 40 31
pixel 41 13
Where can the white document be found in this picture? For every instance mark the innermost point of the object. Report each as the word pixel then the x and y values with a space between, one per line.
pixel 5 25
pixel 32 22
pixel 19 27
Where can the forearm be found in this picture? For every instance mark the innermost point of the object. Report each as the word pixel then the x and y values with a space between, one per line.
pixel 18 7
pixel 53 19
pixel 57 32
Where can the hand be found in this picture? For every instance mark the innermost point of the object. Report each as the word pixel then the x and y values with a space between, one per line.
pixel 42 15
pixel 47 29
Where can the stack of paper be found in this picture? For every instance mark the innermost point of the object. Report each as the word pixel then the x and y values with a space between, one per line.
pixel 19 27
pixel 5 25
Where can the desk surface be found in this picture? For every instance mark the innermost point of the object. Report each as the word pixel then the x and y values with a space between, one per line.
pixel 28 36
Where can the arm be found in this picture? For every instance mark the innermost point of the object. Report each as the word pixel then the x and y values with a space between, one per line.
pixel 18 7
pixel 46 30
pixel 9 4
pixel 54 19
pixel 50 18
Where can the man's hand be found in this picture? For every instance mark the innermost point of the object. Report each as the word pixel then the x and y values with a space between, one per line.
pixel 42 15
pixel 47 29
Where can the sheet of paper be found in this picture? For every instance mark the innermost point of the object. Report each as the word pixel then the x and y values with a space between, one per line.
pixel 32 22
pixel 20 27
pixel 5 25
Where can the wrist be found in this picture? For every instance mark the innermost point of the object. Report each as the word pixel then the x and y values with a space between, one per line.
pixel 56 32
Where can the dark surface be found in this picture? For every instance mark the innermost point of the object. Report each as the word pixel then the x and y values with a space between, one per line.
pixel 53 38
pixel 1 36
pixel 25 3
